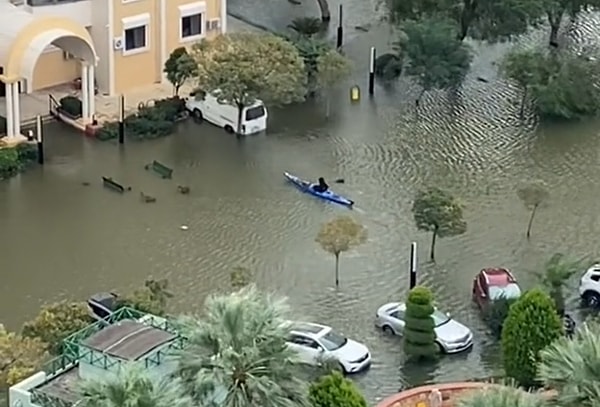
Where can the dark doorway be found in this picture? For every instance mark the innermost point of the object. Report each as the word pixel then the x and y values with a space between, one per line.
pixel 2 87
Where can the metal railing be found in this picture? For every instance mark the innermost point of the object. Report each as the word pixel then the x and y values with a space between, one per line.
pixel 53 105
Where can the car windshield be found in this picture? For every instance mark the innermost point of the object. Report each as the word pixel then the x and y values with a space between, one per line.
pixel 332 341
pixel 439 318
pixel 511 291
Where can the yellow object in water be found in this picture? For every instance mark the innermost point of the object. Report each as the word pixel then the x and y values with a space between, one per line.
pixel 355 93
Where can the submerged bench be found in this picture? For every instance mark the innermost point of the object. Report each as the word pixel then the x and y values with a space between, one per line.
pixel 160 169
pixel 114 185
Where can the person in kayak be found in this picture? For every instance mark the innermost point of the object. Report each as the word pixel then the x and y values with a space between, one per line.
pixel 321 186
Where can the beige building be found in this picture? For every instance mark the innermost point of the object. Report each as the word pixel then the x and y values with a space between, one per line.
pixel 113 46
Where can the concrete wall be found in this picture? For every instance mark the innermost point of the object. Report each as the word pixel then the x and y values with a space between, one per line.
pixel 54 68
pixel 419 396
pixel 101 20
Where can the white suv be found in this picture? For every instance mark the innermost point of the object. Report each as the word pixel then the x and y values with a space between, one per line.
pixel 315 343
pixel 589 286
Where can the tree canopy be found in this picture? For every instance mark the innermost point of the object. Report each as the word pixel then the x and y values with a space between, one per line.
pixel 179 67
pixel 339 235
pixel 55 322
pixel 437 211
pixel 531 325
pixel 249 66
pixel 433 55
pixel 20 357
pixel 152 298
pixel 332 68
pixel 532 194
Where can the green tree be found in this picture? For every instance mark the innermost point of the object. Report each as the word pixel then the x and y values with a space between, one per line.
pixel 20 357
pixel 133 387
pixel 434 57
pixel 558 270
pixel 438 212
pixel 332 68
pixel 570 366
pixel 334 390
pixel 152 298
pixel 490 20
pixel 340 235
pixel 237 354
pixel 532 194
pixel 556 10
pixel 310 49
pixel 57 321
pixel 245 67
pixel 495 313
pixel 419 331
pixel 306 26
pixel 531 325
pixel 179 67
pixel 501 396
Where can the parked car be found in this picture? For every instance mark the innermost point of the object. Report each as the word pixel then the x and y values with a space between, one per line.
pixel 451 335
pixel 316 343
pixel 491 284
pixel 208 106
pixel 589 286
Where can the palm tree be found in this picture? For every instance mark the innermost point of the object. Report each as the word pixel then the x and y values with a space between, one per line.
pixel 306 26
pixel 237 354
pixel 501 396
pixel 572 367
pixel 133 387
pixel 557 272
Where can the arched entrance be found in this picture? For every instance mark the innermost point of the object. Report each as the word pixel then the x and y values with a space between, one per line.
pixel 23 38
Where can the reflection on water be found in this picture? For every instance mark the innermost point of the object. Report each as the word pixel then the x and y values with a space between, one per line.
pixel 66 240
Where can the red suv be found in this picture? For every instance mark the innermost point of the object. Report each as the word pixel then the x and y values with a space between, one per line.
pixel 491 284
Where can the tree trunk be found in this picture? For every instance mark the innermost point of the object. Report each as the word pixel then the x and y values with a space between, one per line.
pixel 555 21
pixel 523 98
pixel 176 90
pixel 418 101
pixel 239 123
pixel 325 13
pixel 466 18
pixel 433 237
pixel 327 106
pixel 337 269
pixel 531 221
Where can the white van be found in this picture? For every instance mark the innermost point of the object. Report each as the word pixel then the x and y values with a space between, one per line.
pixel 206 106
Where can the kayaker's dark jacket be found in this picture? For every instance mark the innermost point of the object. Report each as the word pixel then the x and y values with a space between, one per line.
pixel 322 186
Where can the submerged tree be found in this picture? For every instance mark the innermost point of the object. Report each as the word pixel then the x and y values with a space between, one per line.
pixel 570 366
pixel 244 67
pixel 20 357
pixel 438 212
pixel 419 331
pixel 340 235
pixel 332 68
pixel 55 322
pixel 237 353
pixel 152 298
pixel 532 194
pixel 179 67
pixel 240 277
pixel 435 58
pixel 133 387
pixel 557 272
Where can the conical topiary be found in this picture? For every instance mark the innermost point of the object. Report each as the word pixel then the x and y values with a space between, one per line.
pixel 419 333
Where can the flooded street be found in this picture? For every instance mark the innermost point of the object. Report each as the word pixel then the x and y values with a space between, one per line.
pixel 62 239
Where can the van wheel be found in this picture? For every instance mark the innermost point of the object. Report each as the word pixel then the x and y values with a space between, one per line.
pixel 591 299
pixel 229 129
pixel 198 115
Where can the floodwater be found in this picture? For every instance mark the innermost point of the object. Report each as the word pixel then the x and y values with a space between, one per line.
pixel 62 239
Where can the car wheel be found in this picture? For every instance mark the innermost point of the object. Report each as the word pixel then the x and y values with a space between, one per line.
pixel 591 299
pixel 388 330
pixel 342 369
pixel 441 349
pixel 228 129
pixel 198 115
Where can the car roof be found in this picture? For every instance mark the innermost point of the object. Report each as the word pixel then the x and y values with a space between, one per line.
pixel 391 307
pixel 498 277
pixel 309 329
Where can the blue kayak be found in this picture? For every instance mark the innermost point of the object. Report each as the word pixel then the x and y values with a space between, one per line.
pixel 308 187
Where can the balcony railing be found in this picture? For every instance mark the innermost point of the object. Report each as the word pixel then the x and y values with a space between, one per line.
pixel 34 3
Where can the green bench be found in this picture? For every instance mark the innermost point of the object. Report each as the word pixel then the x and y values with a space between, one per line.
pixel 161 169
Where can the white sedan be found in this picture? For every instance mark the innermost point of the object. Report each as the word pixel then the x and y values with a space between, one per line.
pixel 451 335
pixel 315 343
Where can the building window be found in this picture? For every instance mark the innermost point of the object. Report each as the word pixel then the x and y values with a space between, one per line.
pixel 136 38
pixel 191 26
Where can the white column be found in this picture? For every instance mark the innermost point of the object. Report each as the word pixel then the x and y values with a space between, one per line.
pixel 85 107
pixel 16 109
pixel 10 130
pixel 91 91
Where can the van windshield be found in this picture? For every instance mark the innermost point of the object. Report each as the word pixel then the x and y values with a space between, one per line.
pixel 255 112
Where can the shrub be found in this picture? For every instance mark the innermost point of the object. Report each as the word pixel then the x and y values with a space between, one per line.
pixel 531 325
pixel 108 131
pixel 10 165
pixel 419 333
pixel 388 66
pixel 495 314
pixel 71 106
pixel 27 153
pixel 334 390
